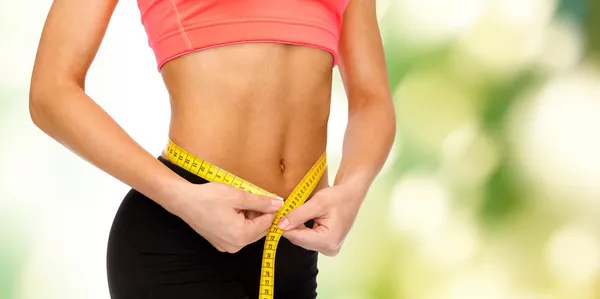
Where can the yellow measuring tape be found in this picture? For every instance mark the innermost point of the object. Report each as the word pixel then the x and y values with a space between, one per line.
pixel 212 173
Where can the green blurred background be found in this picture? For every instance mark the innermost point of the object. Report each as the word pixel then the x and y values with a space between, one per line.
pixel 492 190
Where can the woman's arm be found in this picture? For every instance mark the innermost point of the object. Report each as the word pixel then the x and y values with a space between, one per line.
pixel 371 119
pixel 369 135
pixel 59 106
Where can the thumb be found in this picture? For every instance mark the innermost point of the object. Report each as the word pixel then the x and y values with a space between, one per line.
pixel 298 216
pixel 258 203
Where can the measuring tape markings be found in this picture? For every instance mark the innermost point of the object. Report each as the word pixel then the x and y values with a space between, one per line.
pixel 299 195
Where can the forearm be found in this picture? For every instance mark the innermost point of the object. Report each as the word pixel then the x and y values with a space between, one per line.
pixel 69 116
pixel 369 136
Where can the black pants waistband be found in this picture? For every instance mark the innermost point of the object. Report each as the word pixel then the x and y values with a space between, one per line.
pixel 182 172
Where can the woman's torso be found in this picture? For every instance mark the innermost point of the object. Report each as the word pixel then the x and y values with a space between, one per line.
pixel 258 110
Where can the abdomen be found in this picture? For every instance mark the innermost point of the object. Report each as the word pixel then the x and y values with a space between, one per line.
pixel 258 110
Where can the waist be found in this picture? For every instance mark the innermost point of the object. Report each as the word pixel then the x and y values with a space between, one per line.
pixel 277 169
pixel 272 150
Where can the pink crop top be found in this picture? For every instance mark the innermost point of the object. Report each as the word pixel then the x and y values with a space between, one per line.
pixel 178 27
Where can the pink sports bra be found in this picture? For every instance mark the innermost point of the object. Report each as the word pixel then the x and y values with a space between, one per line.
pixel 178 27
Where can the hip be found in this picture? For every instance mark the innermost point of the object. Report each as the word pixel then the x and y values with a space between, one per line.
pixel 154 254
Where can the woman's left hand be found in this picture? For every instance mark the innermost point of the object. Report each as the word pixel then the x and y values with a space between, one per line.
pixel 333 209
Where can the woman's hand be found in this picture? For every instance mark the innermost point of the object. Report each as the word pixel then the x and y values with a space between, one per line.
pixel 333 210
pixel 217 212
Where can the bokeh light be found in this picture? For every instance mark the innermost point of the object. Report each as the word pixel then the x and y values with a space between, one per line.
pixel 573 255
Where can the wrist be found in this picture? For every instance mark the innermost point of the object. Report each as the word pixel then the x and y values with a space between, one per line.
pixel 170 193
pixel 356 185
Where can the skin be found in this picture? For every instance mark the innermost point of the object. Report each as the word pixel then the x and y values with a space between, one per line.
pixel 268 102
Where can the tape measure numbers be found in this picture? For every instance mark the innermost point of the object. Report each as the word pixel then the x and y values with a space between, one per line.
pixel 299 195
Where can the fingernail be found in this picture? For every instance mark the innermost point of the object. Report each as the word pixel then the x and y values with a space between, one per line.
pixel 276 203
pixel 279 197
pixel 283 223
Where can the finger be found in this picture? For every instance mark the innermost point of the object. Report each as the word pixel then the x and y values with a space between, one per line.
pixel 310 239
pixel 258 227
pixel 308 211
pixel 259 203
pixel 302 226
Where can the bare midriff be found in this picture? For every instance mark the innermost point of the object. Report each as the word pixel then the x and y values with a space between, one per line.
pixel 258 110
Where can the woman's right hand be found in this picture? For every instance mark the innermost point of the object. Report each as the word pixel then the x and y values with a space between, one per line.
pixel 217 212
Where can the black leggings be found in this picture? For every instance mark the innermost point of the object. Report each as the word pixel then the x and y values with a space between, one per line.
pixel 154 254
